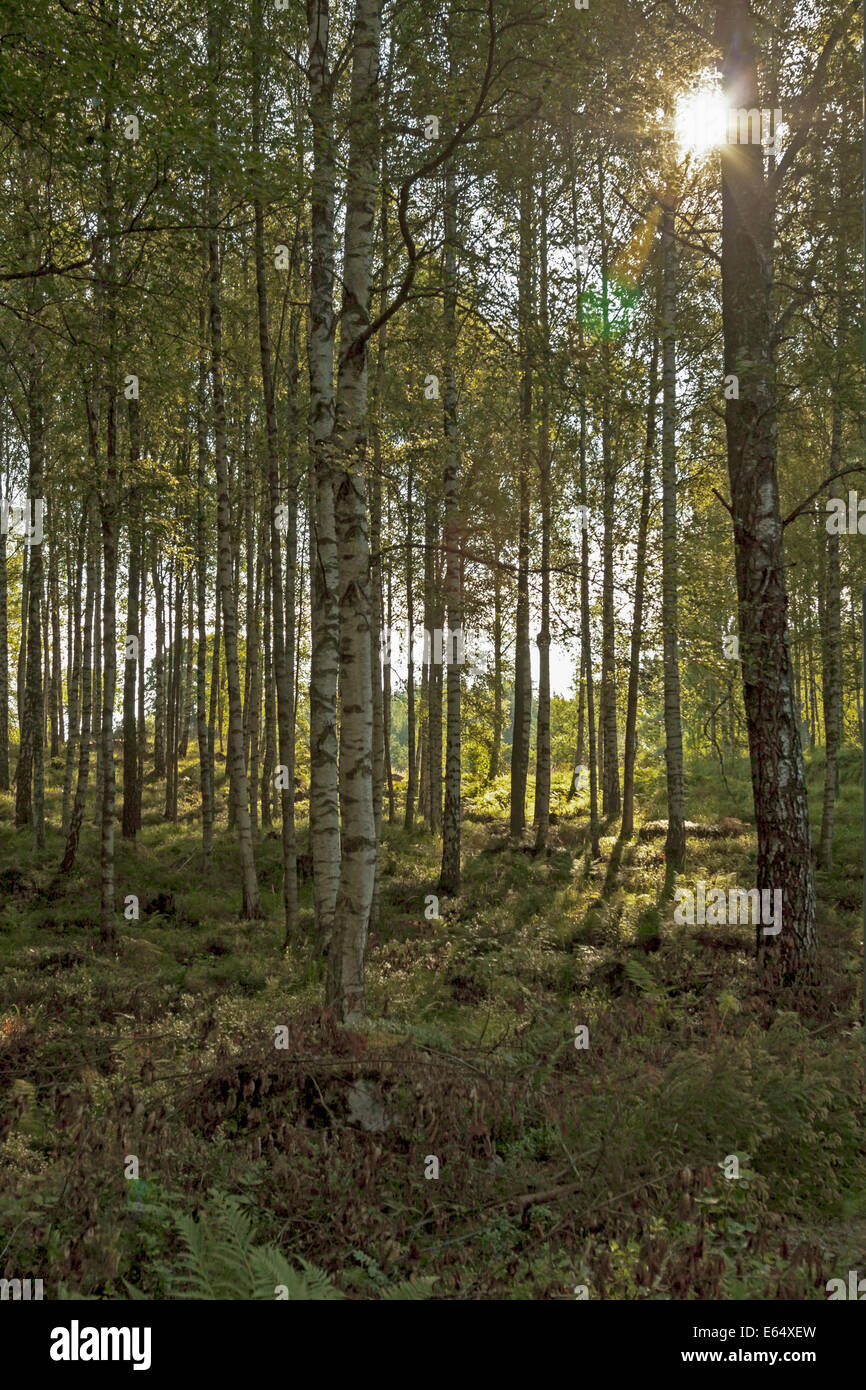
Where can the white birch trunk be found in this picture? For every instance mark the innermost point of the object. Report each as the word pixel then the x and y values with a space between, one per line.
pixel 345 985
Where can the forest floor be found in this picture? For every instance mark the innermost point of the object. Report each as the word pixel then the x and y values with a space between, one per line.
pixel 178 1118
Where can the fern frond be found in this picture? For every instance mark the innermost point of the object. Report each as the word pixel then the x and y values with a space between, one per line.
pixel 409 1290
pixel 271 1269
pixel 641 977
pixel 220 1261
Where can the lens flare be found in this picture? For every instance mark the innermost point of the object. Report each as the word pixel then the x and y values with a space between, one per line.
pixel 700 121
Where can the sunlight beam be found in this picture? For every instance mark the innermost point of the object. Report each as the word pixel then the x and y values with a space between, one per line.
pixel 700 121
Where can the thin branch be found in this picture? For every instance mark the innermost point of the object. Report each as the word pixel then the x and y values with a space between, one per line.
pixel 812 95
pixel 843 472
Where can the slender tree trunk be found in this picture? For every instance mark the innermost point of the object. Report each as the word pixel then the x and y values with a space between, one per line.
pixel 324 574
pixel 251 904
pixel 375 491
pixel 295 599
pixel 21 673
pixel 386 681
pixel 269 747
pixel 77 677
pixel 377 692
pixel 496 738
pixel 159 709
pixel 630 751
pixel 411 774
pixel 778 778
pixel 585 623
pixel 251 636
pixel 345 992
pixel 675 843
pixel 29 786
pixel 814 728
pixel 857 688
pixel 204 734
pixel 186 717
pixel 380 672
pixel 283 602
pixel 609 753
pixel 421 753
pixel 581 722
pixel 831 625
pixel 142 671
pixel 131 658
pixel 48 719
pixel 586 643
pixel 449 876
pixel 434 623
pixel 542 737
pixel 174 637
pixel 70 620
pixel 255 668
pixel 97 688
pixel 107 925
pixel 214 707
pixel 56 662
pixel 91 599
pixel 581 714
pixel 522 670
pixel 4 657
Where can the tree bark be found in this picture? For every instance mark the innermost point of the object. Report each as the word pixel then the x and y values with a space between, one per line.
pixel 432 780
pixel 189 647
pixel 449 876
pixel 496 738
pixel 251 904
pixel 159 707
pixel 29 774
pixel 130 668
pixel 675 842
pixel 21 668
pixel 76 676
pixel 520 738
pixel 56 661
pixel 542 737
pixel 345 981
pixel 324 572
pixel 205 736
pixel 142 671
pixel 609 753
pixel 585 621
pixel 630 750
pixel 282 651
pixel 386 681
pixel 91 600
pixel 586 639
pixel 832 644
pixel 107 924
pixel 4 655
pixel 778 779
pixel 411 773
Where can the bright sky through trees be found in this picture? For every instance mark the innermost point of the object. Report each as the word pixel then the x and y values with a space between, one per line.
pixel 700 120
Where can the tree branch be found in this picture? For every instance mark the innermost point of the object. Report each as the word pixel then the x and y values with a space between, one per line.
pixel 792 516
pixel 812 95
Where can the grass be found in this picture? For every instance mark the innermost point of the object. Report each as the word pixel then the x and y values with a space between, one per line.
pixel 599 1168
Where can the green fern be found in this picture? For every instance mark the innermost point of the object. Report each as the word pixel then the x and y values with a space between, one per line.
pixel 641 977
pixel 272 1271
pixel 221 1262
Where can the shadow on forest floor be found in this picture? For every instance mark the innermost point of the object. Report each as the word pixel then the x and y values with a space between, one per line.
pixel 582 1069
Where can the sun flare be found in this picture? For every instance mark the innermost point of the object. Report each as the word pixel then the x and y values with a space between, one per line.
pixel 700 121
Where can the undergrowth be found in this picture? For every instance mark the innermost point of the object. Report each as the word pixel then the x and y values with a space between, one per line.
pixel 156 1142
